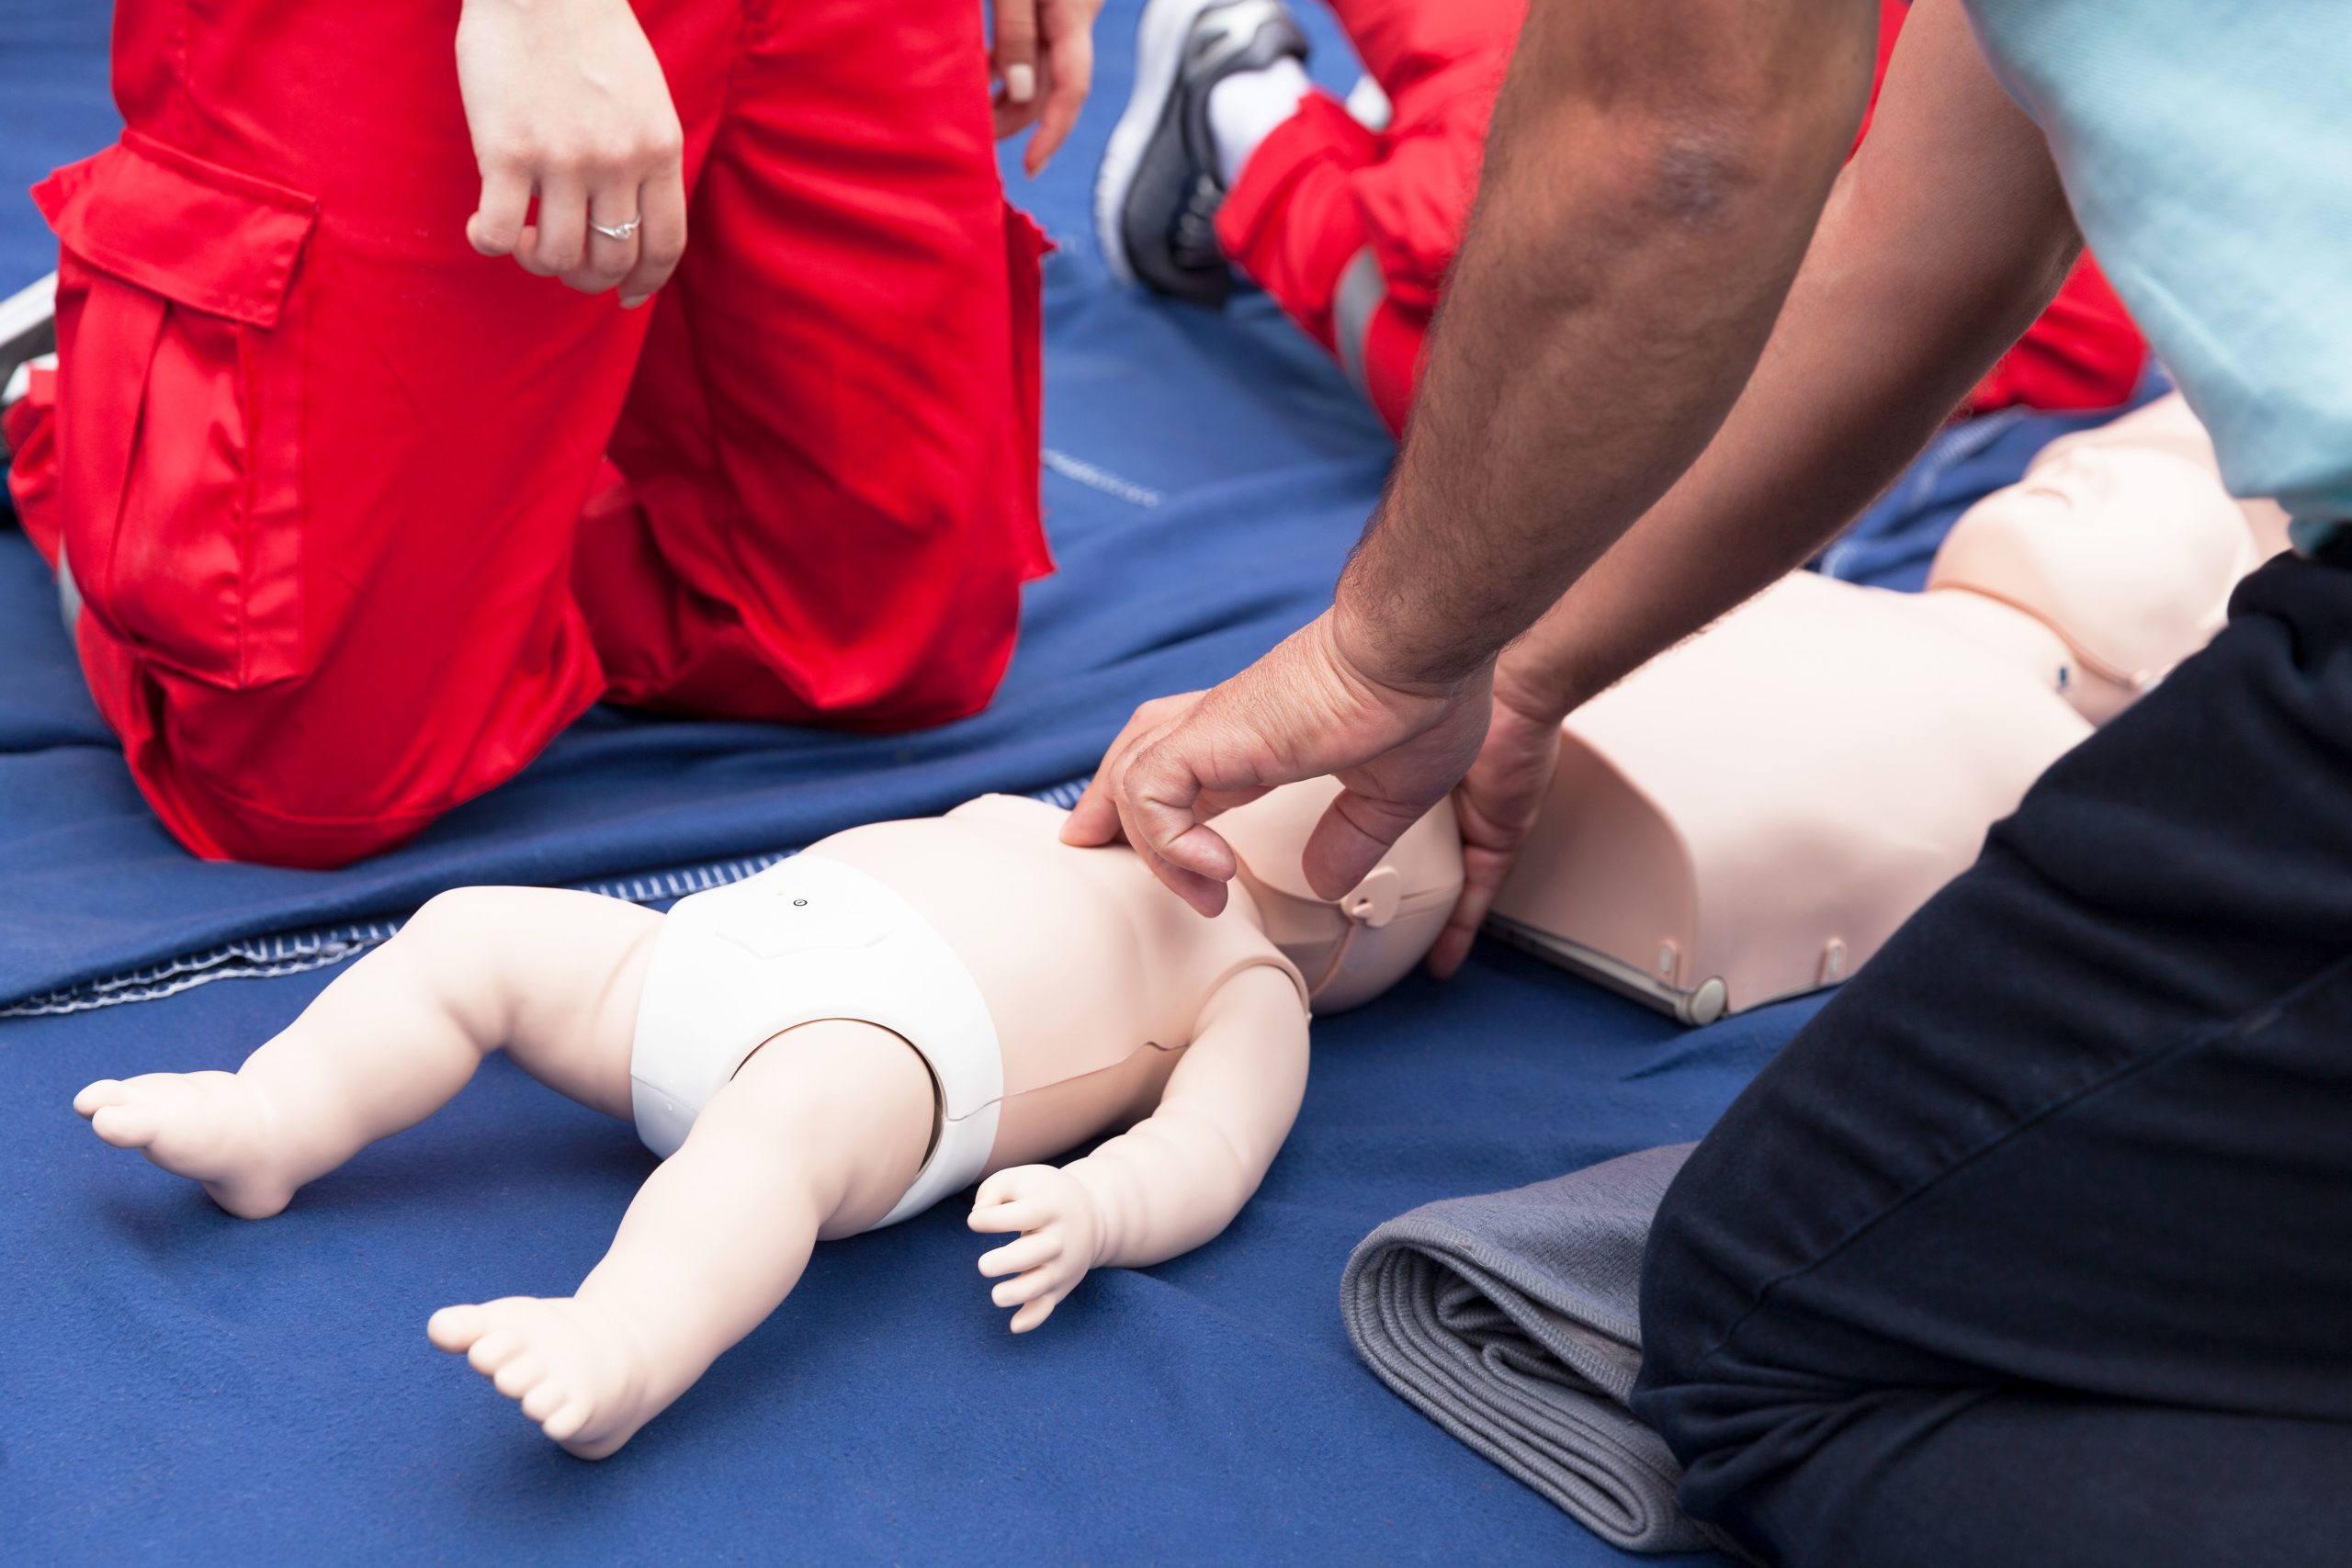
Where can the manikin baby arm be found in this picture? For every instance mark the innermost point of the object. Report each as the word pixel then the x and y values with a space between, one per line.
pixel 1174 1180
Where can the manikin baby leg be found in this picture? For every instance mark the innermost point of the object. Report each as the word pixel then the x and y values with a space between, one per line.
pixel 818 1135
pixel 552 976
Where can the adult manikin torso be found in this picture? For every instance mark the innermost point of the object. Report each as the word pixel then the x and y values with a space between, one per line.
pixel 1751 814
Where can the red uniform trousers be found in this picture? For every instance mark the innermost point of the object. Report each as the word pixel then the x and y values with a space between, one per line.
pixel 1352 230
pixel 335 491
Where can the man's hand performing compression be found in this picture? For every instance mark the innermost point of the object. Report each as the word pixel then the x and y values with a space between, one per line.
pixel 1310 707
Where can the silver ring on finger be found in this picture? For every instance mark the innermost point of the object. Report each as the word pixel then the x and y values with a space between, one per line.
pixel 617 231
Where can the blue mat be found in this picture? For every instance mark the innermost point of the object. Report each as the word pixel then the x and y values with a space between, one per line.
pixel 177 1383
pixel 53 109
pixel 186 1387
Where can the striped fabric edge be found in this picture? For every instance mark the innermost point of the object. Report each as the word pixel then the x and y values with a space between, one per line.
pixel 264 958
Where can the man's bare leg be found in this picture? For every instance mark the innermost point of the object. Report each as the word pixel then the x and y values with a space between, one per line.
pixel 552 976
pixel 818 1135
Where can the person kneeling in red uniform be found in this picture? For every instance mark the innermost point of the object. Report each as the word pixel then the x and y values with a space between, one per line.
pixel 357 515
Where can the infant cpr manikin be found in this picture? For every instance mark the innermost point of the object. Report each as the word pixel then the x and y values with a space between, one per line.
pixel 1752 815
pixel 831 1045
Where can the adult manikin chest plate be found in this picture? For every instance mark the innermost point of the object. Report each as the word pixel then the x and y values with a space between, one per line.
pixel 1751 816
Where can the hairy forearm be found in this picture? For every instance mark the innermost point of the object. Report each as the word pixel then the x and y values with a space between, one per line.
pixel 1833 416
pixel 1940 244
pixel 1651 181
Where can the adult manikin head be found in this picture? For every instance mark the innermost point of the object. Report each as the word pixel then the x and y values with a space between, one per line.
pixel 1353 947
pixel 2121 541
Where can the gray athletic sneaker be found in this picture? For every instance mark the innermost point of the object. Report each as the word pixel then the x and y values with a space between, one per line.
pixel 1156 194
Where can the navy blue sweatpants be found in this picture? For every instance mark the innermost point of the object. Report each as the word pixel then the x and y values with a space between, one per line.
pixel 2035 1247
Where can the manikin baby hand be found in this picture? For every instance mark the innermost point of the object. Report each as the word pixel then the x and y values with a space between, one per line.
pixel 1054 1215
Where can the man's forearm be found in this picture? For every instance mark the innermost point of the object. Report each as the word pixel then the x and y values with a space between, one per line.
pixel 1941 243
pixel 1652 178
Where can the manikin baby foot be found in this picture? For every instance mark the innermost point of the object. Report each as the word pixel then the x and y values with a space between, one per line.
pixel 215 1128
pixel 575 1367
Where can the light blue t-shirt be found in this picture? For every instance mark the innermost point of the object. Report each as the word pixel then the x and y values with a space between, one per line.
pixel 2206 146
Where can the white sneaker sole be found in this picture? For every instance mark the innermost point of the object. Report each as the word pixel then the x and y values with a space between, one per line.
pixel 1160 56
pixel 21 314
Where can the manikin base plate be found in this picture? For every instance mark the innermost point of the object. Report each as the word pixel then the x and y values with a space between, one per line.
pixel 1702 1004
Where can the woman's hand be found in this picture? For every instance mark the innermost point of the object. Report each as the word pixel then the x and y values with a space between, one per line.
pixel 567 103
pixel 1044 61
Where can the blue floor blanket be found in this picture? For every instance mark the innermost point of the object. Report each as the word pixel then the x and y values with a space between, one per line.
pixel 178 1384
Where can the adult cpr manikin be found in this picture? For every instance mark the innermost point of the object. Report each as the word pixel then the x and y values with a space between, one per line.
pixel 1752 815
pixel 831 1045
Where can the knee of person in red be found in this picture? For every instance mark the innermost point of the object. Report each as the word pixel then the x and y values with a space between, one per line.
pixel 1351 229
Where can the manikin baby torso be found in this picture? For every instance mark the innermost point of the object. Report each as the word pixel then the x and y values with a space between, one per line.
pixel 1052 992
pixel 1093 973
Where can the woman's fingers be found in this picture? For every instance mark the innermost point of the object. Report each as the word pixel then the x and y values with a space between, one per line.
pixel 558 241
pixel 1012 119
pixel 605 259
pixel 663 239
pixel 1069 73
pixel 599 153
pixel 1012 59
pixel 496 227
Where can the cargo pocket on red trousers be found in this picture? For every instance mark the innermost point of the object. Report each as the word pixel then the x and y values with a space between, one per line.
pixel 180 408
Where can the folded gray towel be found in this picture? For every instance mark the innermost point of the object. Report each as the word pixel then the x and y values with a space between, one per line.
pixel 1513 1321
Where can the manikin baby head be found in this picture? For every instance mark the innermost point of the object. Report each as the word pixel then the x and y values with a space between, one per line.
pixel 2121 541
pixel 1353 948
